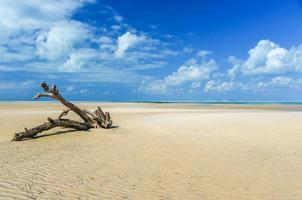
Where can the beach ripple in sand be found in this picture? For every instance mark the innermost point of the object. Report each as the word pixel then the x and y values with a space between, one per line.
pixel 157 153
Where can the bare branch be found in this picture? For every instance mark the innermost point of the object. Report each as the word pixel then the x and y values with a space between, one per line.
pixel 45 86
pixel 54 93
pixel 89 113
pixel 64 113
pixel 52 123
pixel 37 96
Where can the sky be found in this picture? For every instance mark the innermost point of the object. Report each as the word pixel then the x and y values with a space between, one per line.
pixel 172 50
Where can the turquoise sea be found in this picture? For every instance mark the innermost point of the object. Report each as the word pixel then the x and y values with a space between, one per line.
pixel 180 102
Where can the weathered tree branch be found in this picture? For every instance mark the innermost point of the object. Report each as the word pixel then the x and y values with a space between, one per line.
pixel 54 93
pixel 106 120
pixel 64 113
pixel 52 123
pixel 91 120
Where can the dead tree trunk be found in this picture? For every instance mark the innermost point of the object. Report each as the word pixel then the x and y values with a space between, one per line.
pixel 91 119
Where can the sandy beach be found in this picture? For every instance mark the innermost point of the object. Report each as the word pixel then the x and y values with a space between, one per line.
pixel 155 151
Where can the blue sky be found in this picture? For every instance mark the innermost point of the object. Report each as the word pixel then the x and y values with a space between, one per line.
pixel 169 50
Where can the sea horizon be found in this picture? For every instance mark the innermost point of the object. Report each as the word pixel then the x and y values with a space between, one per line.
pixel 169 102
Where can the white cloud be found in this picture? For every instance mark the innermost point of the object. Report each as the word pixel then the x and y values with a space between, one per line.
pixel 236 63
pixel 265 60
pixel 83 91
pixel 70 88
pixel 269 58
pixel 219 86
pixel 105 75
pixel 116 28
pixel 127 41
pixel 43 28
pixel 60 40
pixel 41 36
pixel 118 18
pixel 282 80
pixel 195 85
pixel 27 15
pixel 203 53
pixel 193 71
pixel 105 40
pixel 78 60
pixel 275 83
pixel 14 85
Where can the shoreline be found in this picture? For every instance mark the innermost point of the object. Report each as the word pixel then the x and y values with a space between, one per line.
pixel 269 106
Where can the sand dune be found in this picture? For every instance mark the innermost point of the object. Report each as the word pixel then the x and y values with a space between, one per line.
pixel 158 151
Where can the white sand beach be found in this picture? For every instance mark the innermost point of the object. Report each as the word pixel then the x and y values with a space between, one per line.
pixel 156 151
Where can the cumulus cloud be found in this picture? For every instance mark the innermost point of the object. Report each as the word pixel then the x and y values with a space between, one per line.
pixel 118 18
pixel 14 85
pixel 43 37
pixel 19 15
pixel 34 30
pixel 219 86
pixel 236 63
pixel 79 60
pixel 282 80
pixel 274 83
pixel 203 53
pixel 193 71
pixel 268 58
pixel 60 40
pixel 127 41
pixel 265 60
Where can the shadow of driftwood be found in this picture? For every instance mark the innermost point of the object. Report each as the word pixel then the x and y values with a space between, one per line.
pixel 112 127
pixel 57 133
pixel 66 131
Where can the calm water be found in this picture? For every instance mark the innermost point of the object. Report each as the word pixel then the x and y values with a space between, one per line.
pixel 220 102
pixel 182 102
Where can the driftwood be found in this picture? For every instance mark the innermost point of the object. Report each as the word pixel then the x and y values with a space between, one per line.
pixel 95 119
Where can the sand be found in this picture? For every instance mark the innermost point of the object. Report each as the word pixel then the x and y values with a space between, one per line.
pixel 157 151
